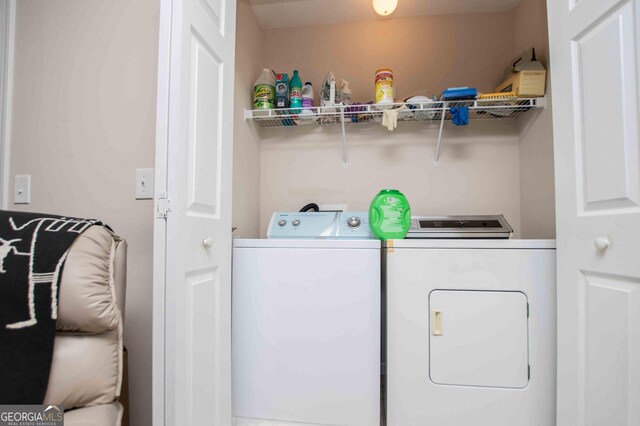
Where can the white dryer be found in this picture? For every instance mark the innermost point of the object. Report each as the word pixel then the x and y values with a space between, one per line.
pixel 471 332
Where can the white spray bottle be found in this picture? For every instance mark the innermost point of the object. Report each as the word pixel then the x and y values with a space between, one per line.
pixel 346 92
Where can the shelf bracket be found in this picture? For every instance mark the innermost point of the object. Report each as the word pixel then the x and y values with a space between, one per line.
pixel 436 158
pixel 345 153
pixel 539 102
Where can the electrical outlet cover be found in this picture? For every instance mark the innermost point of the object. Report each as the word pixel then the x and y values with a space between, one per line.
pixel 144 184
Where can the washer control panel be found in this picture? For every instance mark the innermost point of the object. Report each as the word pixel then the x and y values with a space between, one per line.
pixel 312 225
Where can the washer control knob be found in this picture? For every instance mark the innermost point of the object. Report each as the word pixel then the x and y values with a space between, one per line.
pixel 282 222
pixel 353 222
pixel 295 222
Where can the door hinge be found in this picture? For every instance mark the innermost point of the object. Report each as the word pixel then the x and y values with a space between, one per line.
pixel 527 310
pixel 164 205
pixel 528 372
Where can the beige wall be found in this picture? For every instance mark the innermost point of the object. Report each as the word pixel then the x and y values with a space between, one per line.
pixel 426 53
pixel 479 169
pixel 477 174
pixel 83 121
pixel 530 28
pixel 246 146
pixel 537 191
pixel 496 167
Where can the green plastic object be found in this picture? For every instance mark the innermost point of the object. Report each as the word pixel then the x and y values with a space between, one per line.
pixel 390 215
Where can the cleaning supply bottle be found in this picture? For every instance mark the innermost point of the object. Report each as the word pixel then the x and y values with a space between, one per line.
pixel 384 87
pixel 295 92
pixel 264 90
pixel 389 215
pixel 346 92
pixel 307 97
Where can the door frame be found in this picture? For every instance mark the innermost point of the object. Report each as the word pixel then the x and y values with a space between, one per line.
pixel 7 46
pixel 163 118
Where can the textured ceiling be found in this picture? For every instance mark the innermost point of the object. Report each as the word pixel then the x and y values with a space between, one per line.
pixel 295 13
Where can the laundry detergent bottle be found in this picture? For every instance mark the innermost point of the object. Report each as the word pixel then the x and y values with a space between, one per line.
pixel 307 98
pixel 390 215
pixel 264 90
pixel 295 92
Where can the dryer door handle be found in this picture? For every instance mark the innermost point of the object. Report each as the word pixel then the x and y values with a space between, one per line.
pixel 436 322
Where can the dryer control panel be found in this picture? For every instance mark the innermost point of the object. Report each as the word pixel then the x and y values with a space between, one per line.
pixel 312 225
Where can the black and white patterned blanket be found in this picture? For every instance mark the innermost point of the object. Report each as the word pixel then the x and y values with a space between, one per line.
pixel 33 248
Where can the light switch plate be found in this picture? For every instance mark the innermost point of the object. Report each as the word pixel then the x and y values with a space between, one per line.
pixel 144 184
pixel 22 189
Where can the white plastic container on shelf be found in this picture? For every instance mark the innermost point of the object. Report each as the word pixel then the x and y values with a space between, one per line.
pixel 306 115
pixel 346 92
pixel 307 98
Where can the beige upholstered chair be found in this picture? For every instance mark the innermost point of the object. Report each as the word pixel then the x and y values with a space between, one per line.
pixel 87 367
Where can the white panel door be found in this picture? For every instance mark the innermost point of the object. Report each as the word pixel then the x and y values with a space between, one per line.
pixel 594 75
pixel 197 372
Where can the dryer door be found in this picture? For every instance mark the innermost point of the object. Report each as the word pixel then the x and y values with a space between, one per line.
pixel 479 338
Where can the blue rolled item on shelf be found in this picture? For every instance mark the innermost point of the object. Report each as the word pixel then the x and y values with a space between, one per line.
pixel 459 115
pixel 459 93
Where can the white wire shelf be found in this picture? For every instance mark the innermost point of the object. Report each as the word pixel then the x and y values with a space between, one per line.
pixel 479 109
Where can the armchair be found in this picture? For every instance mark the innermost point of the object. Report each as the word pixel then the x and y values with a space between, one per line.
pixel 87 367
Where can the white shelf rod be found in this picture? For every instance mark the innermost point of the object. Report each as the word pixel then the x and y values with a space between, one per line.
pixel 345 153
pixel 436 158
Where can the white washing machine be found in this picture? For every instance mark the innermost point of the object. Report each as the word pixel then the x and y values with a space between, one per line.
pixel 306 323
pixel 471 332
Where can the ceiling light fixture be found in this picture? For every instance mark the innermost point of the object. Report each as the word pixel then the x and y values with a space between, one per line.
pixel 385 7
